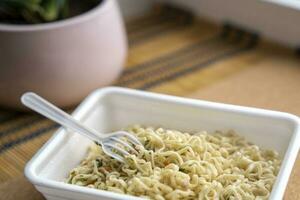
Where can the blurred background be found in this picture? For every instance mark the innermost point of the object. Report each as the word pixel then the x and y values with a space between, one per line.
pixel 237 51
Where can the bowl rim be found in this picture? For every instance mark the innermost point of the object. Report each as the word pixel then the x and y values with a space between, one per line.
pixel 100 9
pixel 280 184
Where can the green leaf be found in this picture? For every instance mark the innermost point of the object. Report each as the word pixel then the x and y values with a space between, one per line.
pixel 49 11
pixel 38 11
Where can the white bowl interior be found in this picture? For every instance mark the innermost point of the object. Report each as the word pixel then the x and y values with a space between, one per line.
pixel 110 111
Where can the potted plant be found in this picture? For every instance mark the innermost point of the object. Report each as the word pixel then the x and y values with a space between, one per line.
pixel 61 49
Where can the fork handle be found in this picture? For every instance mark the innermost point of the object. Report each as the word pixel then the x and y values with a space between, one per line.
pixel 47 109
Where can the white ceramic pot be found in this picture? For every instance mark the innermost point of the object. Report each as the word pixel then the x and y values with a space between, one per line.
pixel 65 60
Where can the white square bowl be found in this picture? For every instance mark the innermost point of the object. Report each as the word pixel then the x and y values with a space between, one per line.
pixel 113 108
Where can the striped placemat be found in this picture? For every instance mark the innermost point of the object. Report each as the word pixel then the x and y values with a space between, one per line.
pixel 170 52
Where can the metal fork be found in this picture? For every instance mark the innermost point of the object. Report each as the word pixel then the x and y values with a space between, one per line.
pixel 111 142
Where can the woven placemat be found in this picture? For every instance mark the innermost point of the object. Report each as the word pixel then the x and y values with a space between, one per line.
pixel 171 52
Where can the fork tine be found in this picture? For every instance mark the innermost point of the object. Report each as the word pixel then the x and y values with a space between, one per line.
pixel 124 144
pixel 117 148
pixel 132 138
pixel 108 151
